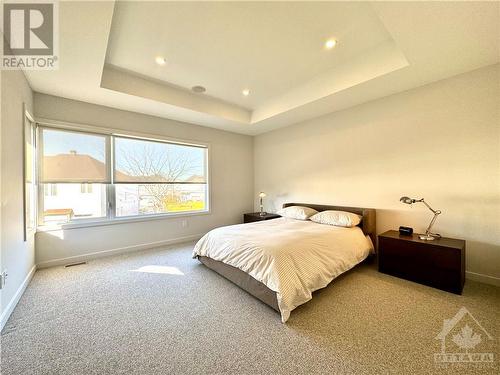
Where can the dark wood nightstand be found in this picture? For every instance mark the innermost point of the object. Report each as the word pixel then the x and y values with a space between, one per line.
pixel 439 263
pixel 255 216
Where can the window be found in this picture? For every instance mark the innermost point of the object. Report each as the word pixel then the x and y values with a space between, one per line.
pixel 70 160
pixel 156 177
pixel 88 176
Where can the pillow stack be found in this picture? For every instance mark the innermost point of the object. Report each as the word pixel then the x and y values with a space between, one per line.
pixel 329 217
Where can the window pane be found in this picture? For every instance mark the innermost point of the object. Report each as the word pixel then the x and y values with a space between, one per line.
pixel 73 157
pixel 134 199
pixel 157 162
pixel 66 202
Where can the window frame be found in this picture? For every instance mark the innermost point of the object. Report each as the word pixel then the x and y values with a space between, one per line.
pixel 110 134
pixel 29 230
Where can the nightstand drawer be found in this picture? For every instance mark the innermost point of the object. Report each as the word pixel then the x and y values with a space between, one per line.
pixel 416 254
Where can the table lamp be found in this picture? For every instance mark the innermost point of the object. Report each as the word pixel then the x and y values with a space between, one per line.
pixel 428 236
pixel 262 195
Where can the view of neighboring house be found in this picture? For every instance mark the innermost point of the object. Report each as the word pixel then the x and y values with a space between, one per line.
pixel 63 202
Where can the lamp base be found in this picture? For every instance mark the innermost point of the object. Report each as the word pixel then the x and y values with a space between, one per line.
pixel 426 237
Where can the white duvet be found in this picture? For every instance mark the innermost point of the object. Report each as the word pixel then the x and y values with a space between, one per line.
pixel 291 257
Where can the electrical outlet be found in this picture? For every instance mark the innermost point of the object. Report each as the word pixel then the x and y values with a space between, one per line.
pixel 184 223
pixel 3 278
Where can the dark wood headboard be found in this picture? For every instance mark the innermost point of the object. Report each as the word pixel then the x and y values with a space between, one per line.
pixel 367 223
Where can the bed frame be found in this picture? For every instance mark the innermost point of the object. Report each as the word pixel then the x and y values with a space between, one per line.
pixel 258 289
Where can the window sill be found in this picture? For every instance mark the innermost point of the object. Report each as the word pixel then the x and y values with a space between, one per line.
pixel 123 220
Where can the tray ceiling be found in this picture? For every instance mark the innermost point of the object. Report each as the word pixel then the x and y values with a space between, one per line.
pixel 276 50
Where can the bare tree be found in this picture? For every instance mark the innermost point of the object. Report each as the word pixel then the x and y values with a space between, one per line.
pixel 156 170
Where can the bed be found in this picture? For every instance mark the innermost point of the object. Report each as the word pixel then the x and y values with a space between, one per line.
pixel 282 261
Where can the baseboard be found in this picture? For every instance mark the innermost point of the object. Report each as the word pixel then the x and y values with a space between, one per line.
pixel 492 280
pixel 120 250
pixel 15 299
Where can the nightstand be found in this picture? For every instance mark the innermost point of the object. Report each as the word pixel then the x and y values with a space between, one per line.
pixel 439 263
pixel 255 216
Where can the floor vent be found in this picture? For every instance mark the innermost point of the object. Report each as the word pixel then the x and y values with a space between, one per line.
pixel 74 264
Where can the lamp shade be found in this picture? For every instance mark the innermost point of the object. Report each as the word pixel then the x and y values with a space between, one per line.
pixel 406 200
pixel 262 194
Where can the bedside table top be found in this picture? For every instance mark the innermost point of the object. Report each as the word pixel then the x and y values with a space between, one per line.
pixel 443 241
pixel 267 215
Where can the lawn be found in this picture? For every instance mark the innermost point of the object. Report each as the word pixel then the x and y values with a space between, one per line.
pixel 185 206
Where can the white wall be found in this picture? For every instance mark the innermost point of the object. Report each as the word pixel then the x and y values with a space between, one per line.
pixel 231 173
pixel 1 200
pixel 440 141
pixel 17 256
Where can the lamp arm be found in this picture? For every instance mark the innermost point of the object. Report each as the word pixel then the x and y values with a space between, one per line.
pixel 428 230
pixel 436 214
pixel 429 207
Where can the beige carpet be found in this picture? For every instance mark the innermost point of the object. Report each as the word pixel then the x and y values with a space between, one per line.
pixel 182 318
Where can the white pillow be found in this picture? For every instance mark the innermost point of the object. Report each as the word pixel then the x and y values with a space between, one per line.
pixel 297 212
pixel 337 218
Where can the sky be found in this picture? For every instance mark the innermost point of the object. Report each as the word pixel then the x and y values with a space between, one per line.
pixel 62 142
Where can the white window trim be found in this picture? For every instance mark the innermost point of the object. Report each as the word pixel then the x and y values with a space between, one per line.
pixel 28 232
pixel 109 220
pixel 120 220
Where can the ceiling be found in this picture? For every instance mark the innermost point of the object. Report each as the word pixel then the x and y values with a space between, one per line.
pixel 274 49
pixel 269 48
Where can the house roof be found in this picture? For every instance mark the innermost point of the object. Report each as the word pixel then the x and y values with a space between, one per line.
pixel 196 178
pixel 73 168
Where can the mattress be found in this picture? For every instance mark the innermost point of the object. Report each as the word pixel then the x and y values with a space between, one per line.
pixel 290 257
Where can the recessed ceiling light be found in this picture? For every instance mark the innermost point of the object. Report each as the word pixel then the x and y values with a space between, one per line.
pixel 246 92
pixel 198 89
pixel 160 60
pixel 330 43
